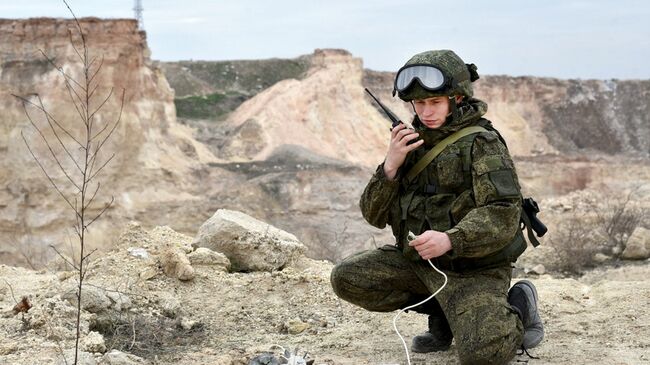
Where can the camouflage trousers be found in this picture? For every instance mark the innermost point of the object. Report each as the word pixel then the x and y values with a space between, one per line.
pixel 485 327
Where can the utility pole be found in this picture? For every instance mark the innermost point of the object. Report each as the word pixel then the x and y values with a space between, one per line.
pixel 137 8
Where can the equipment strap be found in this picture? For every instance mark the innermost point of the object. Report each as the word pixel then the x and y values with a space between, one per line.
pixel 435 151
pixel 529 230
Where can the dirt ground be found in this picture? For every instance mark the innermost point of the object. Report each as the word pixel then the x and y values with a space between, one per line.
pixel 229 318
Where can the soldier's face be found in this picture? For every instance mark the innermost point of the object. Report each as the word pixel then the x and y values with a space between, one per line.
pixel 432 111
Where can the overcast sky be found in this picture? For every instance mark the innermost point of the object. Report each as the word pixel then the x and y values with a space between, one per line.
pixel 557 38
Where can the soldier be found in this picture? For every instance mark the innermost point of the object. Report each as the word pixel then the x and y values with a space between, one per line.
pixel 464 208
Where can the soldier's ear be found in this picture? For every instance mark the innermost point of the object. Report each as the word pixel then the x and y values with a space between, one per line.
pixel 459 98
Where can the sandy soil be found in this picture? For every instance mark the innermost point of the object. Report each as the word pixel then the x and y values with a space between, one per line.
pixel 229 318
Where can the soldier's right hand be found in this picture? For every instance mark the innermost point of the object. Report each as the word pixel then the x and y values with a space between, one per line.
pixel 398 148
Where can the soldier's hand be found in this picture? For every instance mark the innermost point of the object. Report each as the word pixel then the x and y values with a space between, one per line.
pixel 398 148
pixel 431 244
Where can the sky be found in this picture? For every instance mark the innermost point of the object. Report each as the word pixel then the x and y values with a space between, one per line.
pixel 596 39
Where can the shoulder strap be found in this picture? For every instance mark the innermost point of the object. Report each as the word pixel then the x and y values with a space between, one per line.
pixel 435 151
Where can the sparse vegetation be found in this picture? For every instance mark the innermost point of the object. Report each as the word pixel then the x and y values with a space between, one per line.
pixel 74 156
pixel 212 106
pixel 601 227
pixel 230 83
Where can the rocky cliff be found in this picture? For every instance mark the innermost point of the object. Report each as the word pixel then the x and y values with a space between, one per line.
pixel 562 133
pixel 155 157
pixel 293 146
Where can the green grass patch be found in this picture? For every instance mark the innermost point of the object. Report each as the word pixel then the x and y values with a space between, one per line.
pixel 208 106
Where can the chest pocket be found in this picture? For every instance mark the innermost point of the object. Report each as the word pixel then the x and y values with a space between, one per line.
pixel 449 174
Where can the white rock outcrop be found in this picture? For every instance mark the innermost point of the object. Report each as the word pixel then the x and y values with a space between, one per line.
pixel 249 244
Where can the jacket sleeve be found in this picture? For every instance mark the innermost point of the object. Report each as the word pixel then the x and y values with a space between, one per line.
pixel 493 223
pixel 377 198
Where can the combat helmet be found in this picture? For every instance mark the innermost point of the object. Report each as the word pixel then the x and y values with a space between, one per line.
pixel 434 73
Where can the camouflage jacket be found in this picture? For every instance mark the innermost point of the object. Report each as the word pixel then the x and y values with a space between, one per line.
pixel 470 191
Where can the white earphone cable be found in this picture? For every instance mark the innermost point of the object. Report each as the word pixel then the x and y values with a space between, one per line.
pixel 408 357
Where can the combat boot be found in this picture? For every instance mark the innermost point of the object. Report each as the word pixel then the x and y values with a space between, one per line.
pixel 437 338
pixel 523 298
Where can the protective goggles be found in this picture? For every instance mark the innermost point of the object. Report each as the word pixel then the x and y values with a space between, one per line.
pixel 429 77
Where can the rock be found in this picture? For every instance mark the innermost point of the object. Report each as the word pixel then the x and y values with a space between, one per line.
pixel 188 324
pixel 538 269
pixel 138 252
pixel 59 333
pixel 148 273
pixel 64 275
pixel 601 257
pixel 638 245
pixel 119 301
pixel 295 326
pixel 207 257
pixel 251 245
pixel 266 358
pixel 171 307
pixel 115 357
pixel 8 348
pixel 175 264
pixel 93 342
pixel 83 358
pixel 93 299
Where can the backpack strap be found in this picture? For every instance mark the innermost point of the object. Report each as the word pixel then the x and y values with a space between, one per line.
pixel 435 151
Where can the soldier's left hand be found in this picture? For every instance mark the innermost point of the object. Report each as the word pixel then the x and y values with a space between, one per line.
pixel 431 244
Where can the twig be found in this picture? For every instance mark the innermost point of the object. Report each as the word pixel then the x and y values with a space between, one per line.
pixel 29 117
pixel 46 174
pixel 102 212
pixel 12 290
pixel 64 258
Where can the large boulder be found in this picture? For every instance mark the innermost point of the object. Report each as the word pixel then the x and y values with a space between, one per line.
pixel 249 244
pixel 638 245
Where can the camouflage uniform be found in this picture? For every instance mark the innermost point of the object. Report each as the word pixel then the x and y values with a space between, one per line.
pixel 471 192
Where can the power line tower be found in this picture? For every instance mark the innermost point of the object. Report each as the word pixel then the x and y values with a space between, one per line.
pixel 137 8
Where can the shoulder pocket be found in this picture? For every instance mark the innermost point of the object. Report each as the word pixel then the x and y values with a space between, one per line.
pixel 495 178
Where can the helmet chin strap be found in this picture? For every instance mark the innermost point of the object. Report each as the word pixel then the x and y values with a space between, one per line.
pixel 453 108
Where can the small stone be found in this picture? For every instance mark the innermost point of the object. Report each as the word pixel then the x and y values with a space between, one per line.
pixel 58 333
pixel 8 348
pixel 175 264
pixel 115 357
pixel 295 326
pixel 65 275
pixel 138 252
pixel 83 358
pixel 171 307
pixel 148 273
pixel 93 342
pixel 207 257
pixel 538 269
pixel 188 324
pixel 601 257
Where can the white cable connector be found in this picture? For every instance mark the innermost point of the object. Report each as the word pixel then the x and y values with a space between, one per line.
pixel 411 236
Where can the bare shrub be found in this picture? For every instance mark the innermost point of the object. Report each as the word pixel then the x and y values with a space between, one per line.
pixel 73 157
pixel 601 225
pixel 619 218
pixel 576 241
